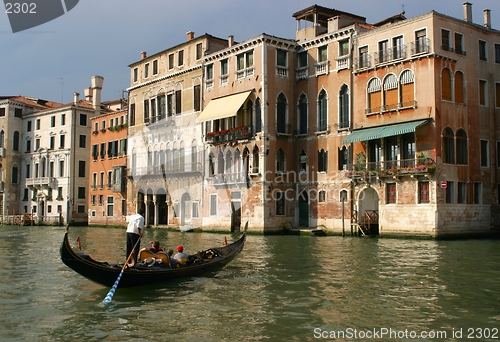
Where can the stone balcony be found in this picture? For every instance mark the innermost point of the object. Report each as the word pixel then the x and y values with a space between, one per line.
pixel 41 182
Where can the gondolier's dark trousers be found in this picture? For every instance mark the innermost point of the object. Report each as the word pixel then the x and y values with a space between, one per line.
pixel 131 240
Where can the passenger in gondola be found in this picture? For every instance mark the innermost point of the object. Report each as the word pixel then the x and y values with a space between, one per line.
pixel 155 247
pixel 181 257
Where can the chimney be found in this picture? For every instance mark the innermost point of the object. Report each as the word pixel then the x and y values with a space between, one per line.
pixel 76 98
pixel 230 41
pixel 487 18
pixel 190 35
pixel 468 12
pixel 143 54
pixel 96 82
pixel 88 94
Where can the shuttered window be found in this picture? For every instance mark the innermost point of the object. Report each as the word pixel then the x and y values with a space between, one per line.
pixel 446 84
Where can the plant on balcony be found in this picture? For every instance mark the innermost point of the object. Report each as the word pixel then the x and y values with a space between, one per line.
pixel 360 163
pixel 245 134
pixel 224 131
pixel 211 134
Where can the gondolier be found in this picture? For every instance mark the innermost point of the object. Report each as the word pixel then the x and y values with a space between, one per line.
pixel 134 233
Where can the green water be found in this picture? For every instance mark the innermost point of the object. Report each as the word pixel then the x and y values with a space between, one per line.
pixel 281 288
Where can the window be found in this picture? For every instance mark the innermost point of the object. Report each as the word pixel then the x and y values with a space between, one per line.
pixel 110 179
pixel 497 95
pixel 61 168
pixel 483 93
pixel 25 194
pixel 323 54
pixel 2 111
pixel 81 192
pixel 364 58
pixel 322 111
pixel 171 61
pixel 408 149
pixel 37 144
pixel 94 180
pixel 398 50
pixel 210 75
pixel 37 124
pixel 103 150
pixel 197 98
pixel 146 70
pixel 420 44
pixel 280 203
pixel 81 209
pixel 478 193
pixel 136 72
pixel 51 169
pixel 224 67
pixel 83 141
pixel 302 59
pixel 132 114
pixel 344 47
pixel 497 53
pixel 281 117
pixel 28 126
pixel 101 199
pixel 461 147
pixel 258 116
pixel 153 109
pixel 28 146
pixel 303 161
pixel 344 107
pixel 178 102
pixel 343 196
pixel 459 43
pixel 281 58
pixel 374 95
pixel 81 168
pixel 459 87
pixel 303 117
pixel 450 192
pixel 391 151
pixel 423 192
pixel 445 40
pixel 146 110
pixel 15 174
pixel 448 148
pixel 59 193
pixel 28 170
pixel 383 51
pixel 110 206
pixel 213 205
pixel 344 157
pixel 482 51
pixel 199 50
pixel 255 159
pixel 93 200
pixel 18 112
pixel 52 121
pixel 15 141
pixel 391 92
pixel 322 161
pixel 83 119
pixel 52 142
pixel 484 153
pixel 462 193
pixel 195 209
pixel 61 141
pixel 446 84
pixel 280 160
pixel 155 67
pixel 180 58
pixel 391 193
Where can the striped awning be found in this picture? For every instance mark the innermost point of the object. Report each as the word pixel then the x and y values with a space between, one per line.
pixel 223 107
pixel 379 132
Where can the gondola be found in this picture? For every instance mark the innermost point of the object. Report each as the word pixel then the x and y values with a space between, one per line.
pixel 144 274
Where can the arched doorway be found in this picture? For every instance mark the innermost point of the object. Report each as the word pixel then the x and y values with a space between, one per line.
pixel 368 204
pixel 185 214
pixel 161 207
pixel 304 209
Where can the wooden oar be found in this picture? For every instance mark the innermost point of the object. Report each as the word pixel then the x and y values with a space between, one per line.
pixel 111 292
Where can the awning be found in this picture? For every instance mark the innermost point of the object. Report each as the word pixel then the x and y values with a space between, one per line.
pixel 223 107
pixel 382 131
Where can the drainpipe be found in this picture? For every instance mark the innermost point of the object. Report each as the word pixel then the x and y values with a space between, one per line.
pixel 351 118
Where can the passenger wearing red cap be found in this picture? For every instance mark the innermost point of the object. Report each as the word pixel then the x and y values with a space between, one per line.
pixel 181 257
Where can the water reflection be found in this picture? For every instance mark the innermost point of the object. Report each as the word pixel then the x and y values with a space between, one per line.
pixel 279 288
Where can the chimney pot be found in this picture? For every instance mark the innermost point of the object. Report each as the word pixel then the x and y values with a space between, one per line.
pixel 190 35
pixel 468 12
pixel 143 54
pixel 487 18
pixel 230 40
pixel 76 98
pixel 97 82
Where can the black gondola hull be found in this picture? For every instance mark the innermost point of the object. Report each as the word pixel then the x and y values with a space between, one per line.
pixel 106 274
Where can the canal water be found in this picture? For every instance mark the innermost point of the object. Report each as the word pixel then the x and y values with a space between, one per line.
pixel 281 288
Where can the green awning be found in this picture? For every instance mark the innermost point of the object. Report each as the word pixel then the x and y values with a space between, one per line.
pixel 382 131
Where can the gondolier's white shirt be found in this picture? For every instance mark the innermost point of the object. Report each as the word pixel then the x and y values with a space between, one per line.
pixel 135 222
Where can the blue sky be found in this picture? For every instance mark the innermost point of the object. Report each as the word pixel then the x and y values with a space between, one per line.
pixel 102 37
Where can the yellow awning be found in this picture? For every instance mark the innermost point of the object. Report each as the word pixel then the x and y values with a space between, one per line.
pixel 223 107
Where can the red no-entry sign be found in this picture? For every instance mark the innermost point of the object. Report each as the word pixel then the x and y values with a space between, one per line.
pixel 444 184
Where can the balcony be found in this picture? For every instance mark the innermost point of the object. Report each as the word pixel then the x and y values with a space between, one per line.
pixel 302 73
pixel 281 71
pixel 227 135
pixel 421 46
pixel 390 55
pixel 392 107
pixel 165 170
pixel 230 179
pixel 367 172
pixel 41 182
pixel 322 68
pixel 343 62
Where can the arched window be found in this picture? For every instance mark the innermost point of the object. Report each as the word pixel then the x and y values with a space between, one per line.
pixel 15 142
pixel 220 162
pixel 280 160
pixel 344 107
pixel 182 155
pixel 303 114
pixel 461 147
pixel 255 157
pixel 194 156
pixel 448 146
pixel 374 97
pixel 281 114
pixel 2 139
pixel 344 157
pixel 459 87
pixel 258 116
pixel 390 92
pixel 322 161
pixel 322 111
pixel 237 165
pixel 211 164
pixel 246 157
pixel 446 84
pixel 407 89
pixel 248 119
pixel 229 163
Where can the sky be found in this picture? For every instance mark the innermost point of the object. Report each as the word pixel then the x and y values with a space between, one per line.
pixel 103 37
